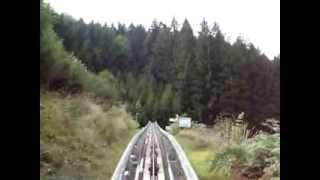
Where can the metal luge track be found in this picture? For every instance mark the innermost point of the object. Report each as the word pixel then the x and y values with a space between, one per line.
pixel 152 154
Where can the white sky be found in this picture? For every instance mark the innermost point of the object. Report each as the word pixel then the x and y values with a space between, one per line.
pixel 257 21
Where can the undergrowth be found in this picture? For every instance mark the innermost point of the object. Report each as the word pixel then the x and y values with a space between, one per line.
pixel 254 158
pixel 80 138
pixel 226 152
pixel 200 145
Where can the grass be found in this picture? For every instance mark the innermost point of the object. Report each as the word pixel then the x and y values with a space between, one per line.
pixel 81 138
pixel 225 151
pixel 243 157
pixel 199 150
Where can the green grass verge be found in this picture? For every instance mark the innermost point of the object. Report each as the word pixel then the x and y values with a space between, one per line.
pixel 199 154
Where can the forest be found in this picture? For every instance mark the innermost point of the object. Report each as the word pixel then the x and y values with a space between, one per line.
pixel 167 69
pixel 99 82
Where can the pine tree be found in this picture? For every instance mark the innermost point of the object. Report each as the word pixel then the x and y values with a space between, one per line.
pixel 161 64
pixel 206 74
pixel 186 54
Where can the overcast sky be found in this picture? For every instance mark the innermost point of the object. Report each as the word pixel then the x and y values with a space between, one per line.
pixel 257 21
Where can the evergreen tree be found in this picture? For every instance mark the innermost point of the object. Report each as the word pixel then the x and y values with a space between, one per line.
pixel 186 54
pixel 167 70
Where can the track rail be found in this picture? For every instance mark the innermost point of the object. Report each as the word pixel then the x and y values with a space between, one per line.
pixel 153 154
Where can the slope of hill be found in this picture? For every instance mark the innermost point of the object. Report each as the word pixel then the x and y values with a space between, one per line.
pixel 81 138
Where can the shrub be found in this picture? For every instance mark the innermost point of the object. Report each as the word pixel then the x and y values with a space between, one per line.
pixel 262 151
pixel 230 154
pixel 265 150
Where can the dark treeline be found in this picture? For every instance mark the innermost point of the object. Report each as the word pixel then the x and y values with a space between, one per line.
pixel 166 69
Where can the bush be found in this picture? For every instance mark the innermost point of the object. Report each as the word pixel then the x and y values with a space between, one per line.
pixel 263 152
pixel 230 154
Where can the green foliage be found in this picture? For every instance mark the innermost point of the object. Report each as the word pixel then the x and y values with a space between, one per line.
pixel 257 156
pixel 201 144
pixel 184 114
pixel 53 69
pixel 62 70
pixel 224 160
pixel 158 73
pixel 265 149
pixel 207 74
pixel 79 138
pixel 120 40
pixel 262 151
pixel 231 128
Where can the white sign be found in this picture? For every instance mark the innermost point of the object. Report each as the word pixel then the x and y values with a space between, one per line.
pixel 185 122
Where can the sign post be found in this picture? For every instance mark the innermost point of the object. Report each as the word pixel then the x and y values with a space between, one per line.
pixel 184 122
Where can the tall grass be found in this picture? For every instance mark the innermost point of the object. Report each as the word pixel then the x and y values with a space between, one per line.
pixel 79 138
pixel 262 153
pixel 256 157
pixel 231 128
pixel 226 152
pixel 200 144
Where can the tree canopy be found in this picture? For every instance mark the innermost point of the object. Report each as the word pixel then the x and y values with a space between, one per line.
pixel 165 70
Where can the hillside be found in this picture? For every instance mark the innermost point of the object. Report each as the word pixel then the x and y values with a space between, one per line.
pixel 84 126
pixel 81 138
